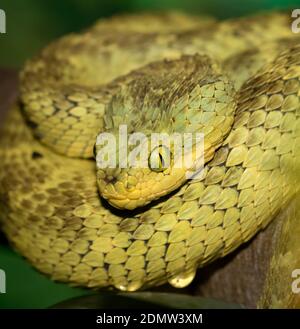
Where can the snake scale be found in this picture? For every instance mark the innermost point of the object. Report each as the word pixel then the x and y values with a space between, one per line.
pixel 237 81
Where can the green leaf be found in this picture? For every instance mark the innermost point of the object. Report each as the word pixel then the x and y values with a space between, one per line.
pixel 27 288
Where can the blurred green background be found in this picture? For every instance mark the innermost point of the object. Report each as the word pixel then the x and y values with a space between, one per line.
pixel 33 23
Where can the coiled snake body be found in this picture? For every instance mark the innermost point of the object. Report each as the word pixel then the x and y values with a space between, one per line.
pixel 170 73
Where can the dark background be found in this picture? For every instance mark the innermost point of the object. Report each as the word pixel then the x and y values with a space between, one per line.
pixel 33 23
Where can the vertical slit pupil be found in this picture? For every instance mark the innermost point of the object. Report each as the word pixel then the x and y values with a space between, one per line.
pixel 161 160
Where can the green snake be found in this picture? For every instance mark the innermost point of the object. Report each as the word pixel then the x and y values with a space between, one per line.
pixel 236 81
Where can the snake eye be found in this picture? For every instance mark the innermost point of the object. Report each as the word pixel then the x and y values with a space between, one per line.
pixel 95 151
pixel 159 159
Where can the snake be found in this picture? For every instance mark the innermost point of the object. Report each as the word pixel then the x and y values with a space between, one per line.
pixel 235 81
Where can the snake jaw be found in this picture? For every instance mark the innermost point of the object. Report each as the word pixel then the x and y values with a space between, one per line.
pixel 149 186
pixel 134 187
pixel 131 188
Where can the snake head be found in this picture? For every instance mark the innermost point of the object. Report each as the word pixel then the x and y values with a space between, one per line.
pixel 162 125
pixel 152 173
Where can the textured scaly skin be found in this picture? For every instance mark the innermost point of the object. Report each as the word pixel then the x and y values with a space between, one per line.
pixel 50 205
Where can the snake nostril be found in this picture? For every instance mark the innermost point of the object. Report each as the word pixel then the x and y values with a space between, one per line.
pixel 36 155
pixel 110 180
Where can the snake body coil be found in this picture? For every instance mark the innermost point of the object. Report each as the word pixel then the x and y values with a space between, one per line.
pixel 168 79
